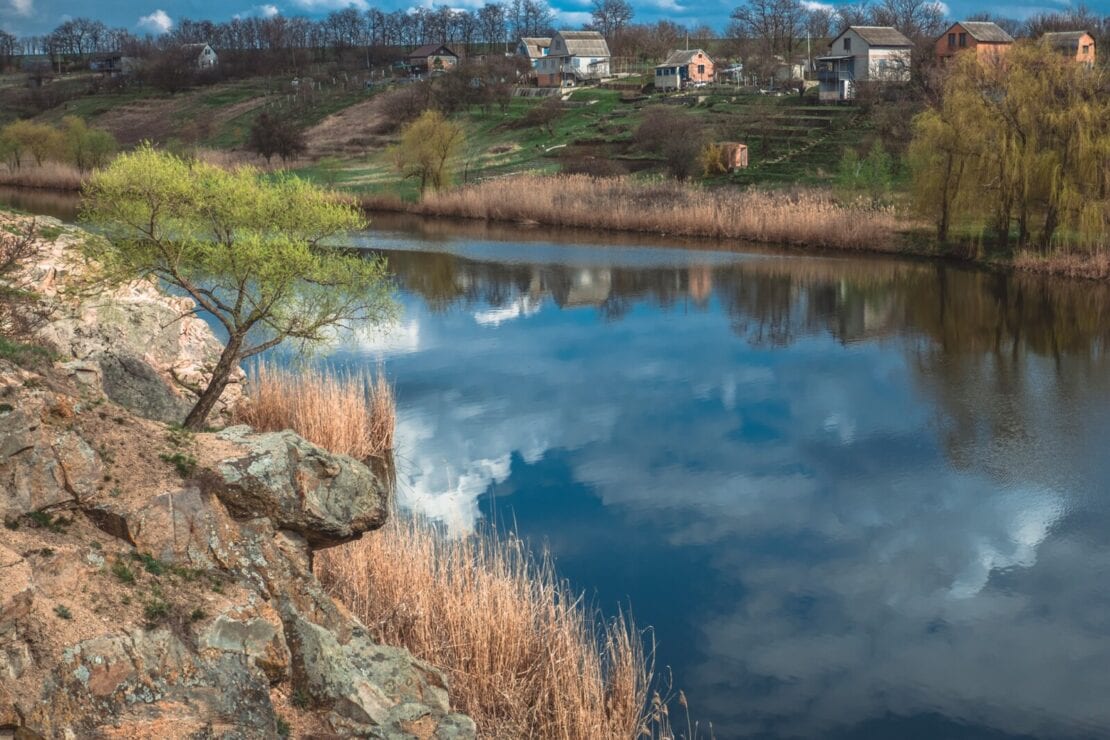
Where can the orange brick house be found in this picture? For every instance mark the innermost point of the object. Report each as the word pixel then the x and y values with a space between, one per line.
pixel 986 39
pixel 1077 45
pixel 683 68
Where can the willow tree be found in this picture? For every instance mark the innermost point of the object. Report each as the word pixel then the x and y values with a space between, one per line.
pixel 426 149
pixel 1019 146
pixel 248 250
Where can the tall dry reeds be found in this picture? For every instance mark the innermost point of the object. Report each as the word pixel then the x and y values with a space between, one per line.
pixel 811 218
pixel 524 655
pixel 346 413
pixel 48 175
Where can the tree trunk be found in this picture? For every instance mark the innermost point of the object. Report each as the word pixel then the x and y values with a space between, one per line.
pixel 220 375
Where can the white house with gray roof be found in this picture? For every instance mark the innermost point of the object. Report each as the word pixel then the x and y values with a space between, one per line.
pixel 573 58
pixel 863 54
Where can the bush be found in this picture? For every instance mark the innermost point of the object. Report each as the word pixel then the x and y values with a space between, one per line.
pixel 673 134
pixel 276 135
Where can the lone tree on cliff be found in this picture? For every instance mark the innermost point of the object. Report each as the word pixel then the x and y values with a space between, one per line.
pixel 247 250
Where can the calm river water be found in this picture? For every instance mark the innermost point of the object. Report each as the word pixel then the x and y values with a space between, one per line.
pixel 855 497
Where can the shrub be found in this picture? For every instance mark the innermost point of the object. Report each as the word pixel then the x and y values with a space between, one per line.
pixel 673 134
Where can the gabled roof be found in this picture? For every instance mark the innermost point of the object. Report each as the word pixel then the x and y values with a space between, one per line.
pixel 1064 39
pixel 535 45
pixel 584 43
pixel 683 57
pixel 877 36
pixel 428 50
pixel 985 32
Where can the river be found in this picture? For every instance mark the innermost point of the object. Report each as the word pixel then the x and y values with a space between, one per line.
pixel 855 497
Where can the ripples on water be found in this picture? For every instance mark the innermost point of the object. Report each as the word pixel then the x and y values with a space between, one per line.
pixel 856 497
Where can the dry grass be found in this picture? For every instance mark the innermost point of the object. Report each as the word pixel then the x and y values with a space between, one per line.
pixel 1089 265
pixel 524 657
pixel 49 175
pixel 350 414
pixel 811 218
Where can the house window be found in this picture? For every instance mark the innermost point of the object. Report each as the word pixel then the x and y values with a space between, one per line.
pixel 701 69
pixel 1086 49
pixel 847 44
pixel 963 40
pixel 951 41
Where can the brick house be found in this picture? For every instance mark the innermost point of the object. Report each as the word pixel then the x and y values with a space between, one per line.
pixel 986 39
pixel 682 68
pixel 1077 45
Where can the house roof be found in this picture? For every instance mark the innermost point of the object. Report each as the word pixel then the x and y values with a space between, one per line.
pixel 682 57
pixel 985 32
pixel 878 35
pixel 535 45
pixel 429 49
pixel 585 43
pixel 199 47
pixel 1064 39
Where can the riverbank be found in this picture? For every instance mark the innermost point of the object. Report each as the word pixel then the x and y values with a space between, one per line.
pixel 804 218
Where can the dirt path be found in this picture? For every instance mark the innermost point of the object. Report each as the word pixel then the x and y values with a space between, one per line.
pixel 349 132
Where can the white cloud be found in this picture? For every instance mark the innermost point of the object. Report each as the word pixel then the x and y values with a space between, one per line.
pixel 943 8
pixel 259 11
pixel 157 22
pixel 573 18
pixel 814 5
pixel 22 7
pixel 666 5
pixel 318 5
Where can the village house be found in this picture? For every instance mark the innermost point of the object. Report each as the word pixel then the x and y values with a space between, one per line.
pixel 862 54
pixel 683 68
pixel 1077 45
pixel 205 56
pixel 573 58
pixel 432 58
pixel 987 39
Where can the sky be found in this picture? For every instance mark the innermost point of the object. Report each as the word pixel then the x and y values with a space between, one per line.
pixel 27 17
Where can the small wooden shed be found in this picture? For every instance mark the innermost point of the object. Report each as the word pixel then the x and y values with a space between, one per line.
pixel 734 155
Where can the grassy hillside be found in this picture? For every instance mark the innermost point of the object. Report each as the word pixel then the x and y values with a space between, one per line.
pixel 791 140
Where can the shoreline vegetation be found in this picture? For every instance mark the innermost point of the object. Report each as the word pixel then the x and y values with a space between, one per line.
pixel 805 218
pixel 525 656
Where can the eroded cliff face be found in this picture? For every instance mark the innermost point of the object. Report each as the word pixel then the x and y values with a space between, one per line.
pixel 155 583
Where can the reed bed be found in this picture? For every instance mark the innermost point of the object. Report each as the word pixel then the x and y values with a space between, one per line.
pixel 525 657
pixel 346 413
pixel 806 217
pixel 1093 265
pixel 48 175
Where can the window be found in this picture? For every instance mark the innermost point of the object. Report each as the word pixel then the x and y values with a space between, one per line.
pixel 963 40
pixel 1086 49
pixel 701 69
pixel 847 44
pixel 951 41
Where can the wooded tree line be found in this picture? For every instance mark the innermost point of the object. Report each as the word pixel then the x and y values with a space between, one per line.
pixel 778 27
pixel 1017 153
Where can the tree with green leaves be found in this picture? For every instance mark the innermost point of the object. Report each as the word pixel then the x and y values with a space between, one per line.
pixel 1018 150
pixel 427 147
pixel 86 148
pixel 250 252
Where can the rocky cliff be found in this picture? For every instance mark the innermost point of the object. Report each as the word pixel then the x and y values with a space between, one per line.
pixel 156 583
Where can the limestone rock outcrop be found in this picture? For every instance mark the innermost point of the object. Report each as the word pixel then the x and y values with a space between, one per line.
pixel 141 347
pixel 158 584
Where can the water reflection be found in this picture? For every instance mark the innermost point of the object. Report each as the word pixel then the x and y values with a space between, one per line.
pixel 856 498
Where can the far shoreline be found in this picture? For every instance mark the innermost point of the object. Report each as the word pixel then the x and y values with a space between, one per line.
pixel 903 245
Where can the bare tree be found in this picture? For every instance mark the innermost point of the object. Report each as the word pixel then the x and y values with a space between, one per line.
pixel 609 17
pixel 916 19
pixel 776 24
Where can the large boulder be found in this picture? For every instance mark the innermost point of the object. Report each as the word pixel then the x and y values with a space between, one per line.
pixel 42 465
pixel 371 690
pixel 327 499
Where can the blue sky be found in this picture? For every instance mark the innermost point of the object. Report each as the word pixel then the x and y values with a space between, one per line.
pixel 39 16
